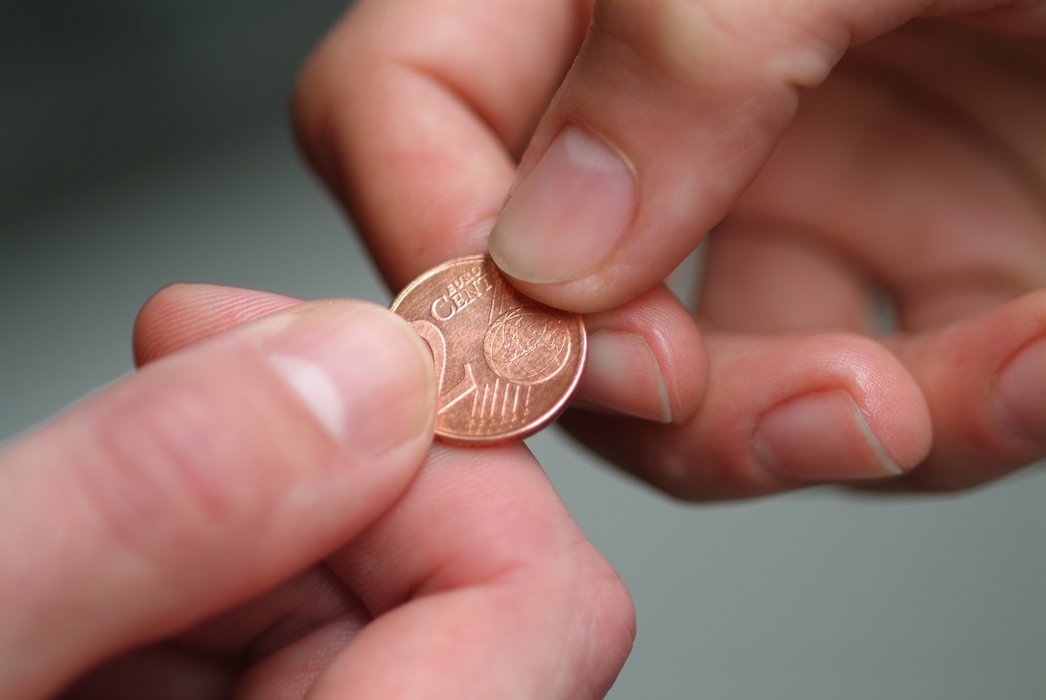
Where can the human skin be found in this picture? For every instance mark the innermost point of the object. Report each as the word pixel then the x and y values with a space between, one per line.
pixel 259 512
pixel 840 153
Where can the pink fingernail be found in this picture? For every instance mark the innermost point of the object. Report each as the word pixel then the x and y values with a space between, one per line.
pixel 623 375
pixel 821 437
pixel 361 372
pixel 567 216
pixel 1021 392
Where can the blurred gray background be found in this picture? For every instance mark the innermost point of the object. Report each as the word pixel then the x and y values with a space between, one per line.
pixel 143 143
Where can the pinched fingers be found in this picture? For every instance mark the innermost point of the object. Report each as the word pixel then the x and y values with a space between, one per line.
pixel 451 610
pixel 984 378
pixel 645 358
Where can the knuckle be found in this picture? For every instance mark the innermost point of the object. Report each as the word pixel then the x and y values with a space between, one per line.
pixel 149 341
pixel 619 613
pixel 603 619
pixel 724 43
pixel 174 468
pixel 676 36
pixel 614 616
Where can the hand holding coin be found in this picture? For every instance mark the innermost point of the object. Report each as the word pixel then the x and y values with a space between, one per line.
pixel 506 365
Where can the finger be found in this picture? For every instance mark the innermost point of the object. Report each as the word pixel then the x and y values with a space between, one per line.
pixel 413 112
pixel 182 314
pixel 162 672
pixel 461 615
pixel 201 481
pixel 983 379
pixel 253 631
pixel 658 317
pixel 645 359
pixel 774 277
pixel 780 412
pixel 272 647
pixel 667 115
pixel 290 672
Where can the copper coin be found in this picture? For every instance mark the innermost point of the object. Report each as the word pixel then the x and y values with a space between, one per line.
pixel 506 365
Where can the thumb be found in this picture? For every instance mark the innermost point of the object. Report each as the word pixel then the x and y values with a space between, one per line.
pixel 670 110
pixel 201 481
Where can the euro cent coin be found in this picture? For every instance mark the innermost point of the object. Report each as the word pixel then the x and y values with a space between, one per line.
pixel 506 365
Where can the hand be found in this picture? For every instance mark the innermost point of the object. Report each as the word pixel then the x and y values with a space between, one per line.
pixel 169 527
pixel 844 152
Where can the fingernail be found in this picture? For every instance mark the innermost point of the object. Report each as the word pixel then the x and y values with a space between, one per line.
pixel 622 375
pixel 821 437
pixel 568 214
pixel 1021 392
pixel 362 372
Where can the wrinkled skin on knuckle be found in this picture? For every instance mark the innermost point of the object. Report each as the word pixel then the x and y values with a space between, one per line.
pixel 602 617
pixel 171 480
pixel 155 472
pixel 614 626
pixel 712 44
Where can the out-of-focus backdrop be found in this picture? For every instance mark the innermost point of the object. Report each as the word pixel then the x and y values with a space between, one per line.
pixel 143 143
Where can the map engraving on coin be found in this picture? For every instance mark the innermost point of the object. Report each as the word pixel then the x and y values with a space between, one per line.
pixel 506 365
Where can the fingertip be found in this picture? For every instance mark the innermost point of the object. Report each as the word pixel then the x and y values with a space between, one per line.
pixel 646 359
pixel 1021 392
pixel 180 314
pixel 567 215
pixel 622 375
pixel 982 377
pixel 895 408
pixel 824 436
pixel 861 415
pixel 151 328
pixel 362 371
pixel 679 346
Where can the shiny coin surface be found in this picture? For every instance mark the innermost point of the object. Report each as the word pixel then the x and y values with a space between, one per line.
pixel 506 365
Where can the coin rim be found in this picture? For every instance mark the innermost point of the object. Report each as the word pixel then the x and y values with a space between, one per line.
pixel 547 416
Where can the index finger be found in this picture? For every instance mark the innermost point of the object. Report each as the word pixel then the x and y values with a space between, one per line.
pixel 669 112
pixel 414 112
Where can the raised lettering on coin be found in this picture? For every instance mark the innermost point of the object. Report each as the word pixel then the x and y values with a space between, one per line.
pixel 505 364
